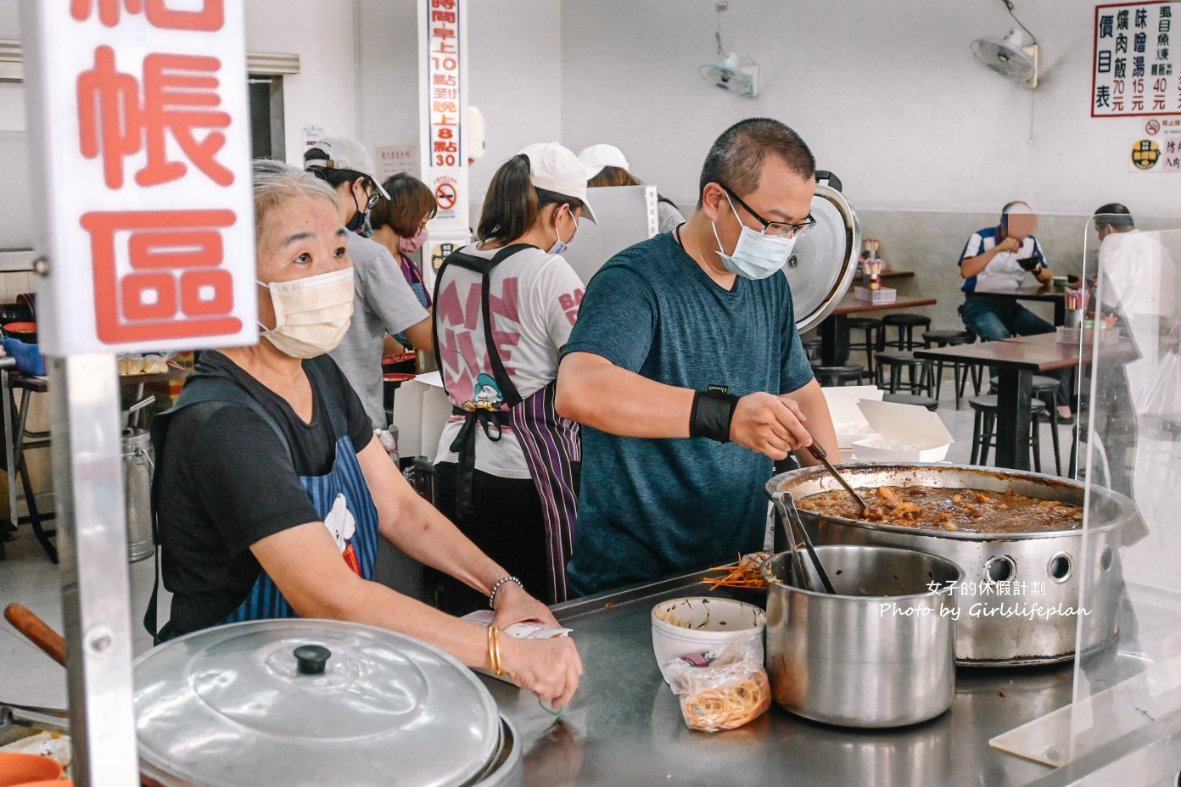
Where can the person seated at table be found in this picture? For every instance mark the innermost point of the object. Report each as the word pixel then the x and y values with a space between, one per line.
pixel 273 491
pixel 996 259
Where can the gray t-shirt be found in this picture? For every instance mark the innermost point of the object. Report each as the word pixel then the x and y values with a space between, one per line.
pixel 668 217
pixel 651 507
pixel 383 303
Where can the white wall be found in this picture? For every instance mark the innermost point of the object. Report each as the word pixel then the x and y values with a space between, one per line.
pixel 324 92
pixel 9 19
pixel 320 31
pixel 514 76
pixel 886 94
pixel 388 106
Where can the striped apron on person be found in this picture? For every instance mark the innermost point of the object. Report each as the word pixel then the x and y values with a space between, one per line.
pixel 551 443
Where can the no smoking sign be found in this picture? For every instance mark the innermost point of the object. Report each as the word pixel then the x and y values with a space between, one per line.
pixel 445 195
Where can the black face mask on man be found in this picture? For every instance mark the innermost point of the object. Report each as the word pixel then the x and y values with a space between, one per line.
pixel 358 222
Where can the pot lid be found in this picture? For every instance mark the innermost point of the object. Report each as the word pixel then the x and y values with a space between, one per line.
pixel 824 262
pixel 310 702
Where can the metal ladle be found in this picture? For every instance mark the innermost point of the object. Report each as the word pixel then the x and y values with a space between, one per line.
pixel 817 451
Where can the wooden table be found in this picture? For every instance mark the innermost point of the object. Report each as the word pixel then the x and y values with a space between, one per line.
pixel 834 330
pixel 1017 359
pixel 891 274
pixel 1049 293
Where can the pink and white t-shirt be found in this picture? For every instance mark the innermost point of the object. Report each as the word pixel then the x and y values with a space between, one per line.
pixel 534 303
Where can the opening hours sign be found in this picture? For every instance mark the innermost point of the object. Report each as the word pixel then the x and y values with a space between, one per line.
pixel 1137 60
pixel 140 132
pixel 445 107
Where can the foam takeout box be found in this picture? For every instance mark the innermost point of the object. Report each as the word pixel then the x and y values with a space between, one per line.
pixel 848 421
pixel 905 433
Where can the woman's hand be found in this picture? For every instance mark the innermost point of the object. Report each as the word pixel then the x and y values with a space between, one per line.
pixel 514 605
pixel 550 668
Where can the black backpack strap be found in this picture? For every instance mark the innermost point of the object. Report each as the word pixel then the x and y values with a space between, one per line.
pixel 483 267
pixel 464 444
pixel 198 390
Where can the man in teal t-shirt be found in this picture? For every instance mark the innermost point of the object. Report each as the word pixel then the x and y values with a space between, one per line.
pixel 686 370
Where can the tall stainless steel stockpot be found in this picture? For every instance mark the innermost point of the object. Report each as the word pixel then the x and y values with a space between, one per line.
pixel 877 653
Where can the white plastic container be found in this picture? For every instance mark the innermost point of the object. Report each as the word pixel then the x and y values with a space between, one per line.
pixel 699 624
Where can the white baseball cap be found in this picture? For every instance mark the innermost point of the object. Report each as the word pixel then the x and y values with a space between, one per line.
pixel 555 168
pixel 598 156
pixel 343 153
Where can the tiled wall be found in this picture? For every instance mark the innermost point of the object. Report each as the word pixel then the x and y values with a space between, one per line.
pixel 16 282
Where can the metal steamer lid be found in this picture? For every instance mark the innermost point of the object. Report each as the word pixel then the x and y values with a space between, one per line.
pixel 310 702
pixel 824 262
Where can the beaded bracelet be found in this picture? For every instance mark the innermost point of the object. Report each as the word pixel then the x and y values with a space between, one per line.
pixel 498 585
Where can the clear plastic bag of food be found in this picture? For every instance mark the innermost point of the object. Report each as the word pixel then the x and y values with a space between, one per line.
pixel 721 690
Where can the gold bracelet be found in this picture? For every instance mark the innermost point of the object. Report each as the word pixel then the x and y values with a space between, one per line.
pixel 500 670
pixel 494 652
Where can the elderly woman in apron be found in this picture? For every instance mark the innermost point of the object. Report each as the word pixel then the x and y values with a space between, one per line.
pixel 271 491
pixel 508 464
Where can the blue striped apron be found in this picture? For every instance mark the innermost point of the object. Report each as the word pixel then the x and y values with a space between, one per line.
pixel 360 552
pixel 345 480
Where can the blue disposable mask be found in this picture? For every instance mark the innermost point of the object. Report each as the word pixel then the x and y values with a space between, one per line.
pixel 560 245
pixel 756 255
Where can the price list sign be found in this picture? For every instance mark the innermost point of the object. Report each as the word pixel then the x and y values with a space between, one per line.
pixel 141 127
pixel 1137 63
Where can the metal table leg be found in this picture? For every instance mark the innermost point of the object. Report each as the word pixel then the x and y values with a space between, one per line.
pixel 1012 418
pixel 834 340
pixel 6 366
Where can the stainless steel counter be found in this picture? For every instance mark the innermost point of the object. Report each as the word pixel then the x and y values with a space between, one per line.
pixel 625 725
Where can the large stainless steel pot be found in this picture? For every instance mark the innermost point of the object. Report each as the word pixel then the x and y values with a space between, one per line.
pixel 879 653
pixel 313 702
pixel 1036 626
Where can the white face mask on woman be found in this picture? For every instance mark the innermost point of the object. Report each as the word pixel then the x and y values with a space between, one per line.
pixel 756 255
pixel 311 314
